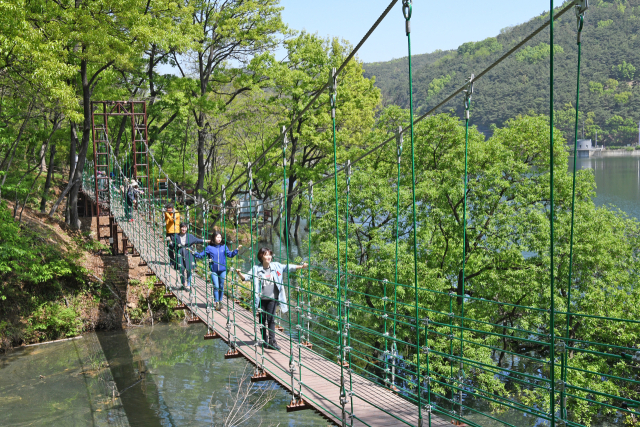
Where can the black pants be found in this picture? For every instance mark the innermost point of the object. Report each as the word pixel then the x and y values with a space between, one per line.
pixel 172 251
pixel 268 307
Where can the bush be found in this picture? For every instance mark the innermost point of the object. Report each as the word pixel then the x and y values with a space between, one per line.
pixel 52 321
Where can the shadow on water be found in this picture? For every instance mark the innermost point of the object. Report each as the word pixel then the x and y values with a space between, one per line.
pixel 137 391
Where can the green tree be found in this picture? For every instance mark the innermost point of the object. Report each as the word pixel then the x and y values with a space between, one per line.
pixel 624 71
pixel 507 247
pixel 295 83
pixel 96 36
pixel 226 62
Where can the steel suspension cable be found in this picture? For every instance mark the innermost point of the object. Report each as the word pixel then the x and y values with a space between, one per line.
pixel 552 375
pixel 332 97
pixel 292 366
pixel 347 330
pixel 406 11
pixel 394 347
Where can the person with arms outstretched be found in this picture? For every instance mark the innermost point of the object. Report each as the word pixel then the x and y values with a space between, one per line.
pixel 269 291
pixel 218 252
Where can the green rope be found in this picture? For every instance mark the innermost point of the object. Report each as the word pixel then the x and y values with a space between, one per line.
pixel 565 358
pixel 552 375
pixel 467 108
pixel 406 10
pixel 394 347
pixel 253 286
pixel 286 231
pixel 309 271
pixel 332 99
pixel 346 286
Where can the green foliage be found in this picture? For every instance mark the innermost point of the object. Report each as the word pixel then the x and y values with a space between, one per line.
pixel 391 73
pixel 534 54
pixel 37 270
pixel 596 87
pixel 622 97
pixel 522 86
pixel 624 71
pixel 51 320
pixel 436 86
pixel 508 240
pixel 482 48
pixel 603 24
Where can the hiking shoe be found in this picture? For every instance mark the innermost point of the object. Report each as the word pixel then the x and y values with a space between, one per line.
pixel 218 306
pixel 273 346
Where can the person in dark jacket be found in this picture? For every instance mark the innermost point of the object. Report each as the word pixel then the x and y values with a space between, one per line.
pixel 217 252
pixel 132 195
pixel 185 260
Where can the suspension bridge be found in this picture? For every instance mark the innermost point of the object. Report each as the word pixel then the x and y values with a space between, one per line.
pixel 342 353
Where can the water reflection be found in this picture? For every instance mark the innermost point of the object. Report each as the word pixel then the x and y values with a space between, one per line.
pixel 165 375
pixel 617 181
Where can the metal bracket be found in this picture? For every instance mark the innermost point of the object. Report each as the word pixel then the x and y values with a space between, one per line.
pixel 348 173
pixel 468 93
pixel 333 87
pixel 580 9
pixel 399 141
pixel 406 12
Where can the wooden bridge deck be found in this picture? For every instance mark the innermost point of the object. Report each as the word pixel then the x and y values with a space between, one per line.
pixel 373 405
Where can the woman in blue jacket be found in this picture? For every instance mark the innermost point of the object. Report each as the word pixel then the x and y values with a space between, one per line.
pixel 217 252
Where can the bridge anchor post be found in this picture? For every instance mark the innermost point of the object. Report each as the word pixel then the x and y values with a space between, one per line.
pixel 212 335
pixel 261 376
pixel 298 405
pixel 232 354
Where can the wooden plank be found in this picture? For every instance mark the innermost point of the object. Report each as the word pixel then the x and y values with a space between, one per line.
pixel 320 393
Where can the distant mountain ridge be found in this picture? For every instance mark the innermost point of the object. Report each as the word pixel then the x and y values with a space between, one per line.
pixel 610 89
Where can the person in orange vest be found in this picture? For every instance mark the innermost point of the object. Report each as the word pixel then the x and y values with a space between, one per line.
pixel 172 223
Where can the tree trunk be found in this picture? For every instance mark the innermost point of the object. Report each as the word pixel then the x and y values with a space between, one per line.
pixel 123 125
pixel 202 136
pixel 287 225
pixel 296 235
pixel 43 161
pixel 73 136
pixel 74 220
pixel 47 184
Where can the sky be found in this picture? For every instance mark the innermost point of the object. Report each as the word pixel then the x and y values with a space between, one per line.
pixel 435 24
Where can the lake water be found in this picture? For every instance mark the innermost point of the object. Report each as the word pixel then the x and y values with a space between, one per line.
pixel 167 375
pixel 617 181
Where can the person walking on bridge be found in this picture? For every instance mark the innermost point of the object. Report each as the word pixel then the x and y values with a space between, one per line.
pixel 185 258
pixel 269 291
pixel 132 199
pixel 218 252
pixel 172 224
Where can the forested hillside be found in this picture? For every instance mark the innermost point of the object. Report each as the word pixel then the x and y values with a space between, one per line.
pixel 610 94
